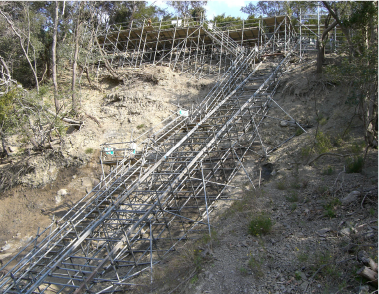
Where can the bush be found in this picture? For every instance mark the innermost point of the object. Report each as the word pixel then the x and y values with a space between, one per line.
pixel 260 225
pixel 354 165
pixel 323 143
pixel 281 185
pixel 89 151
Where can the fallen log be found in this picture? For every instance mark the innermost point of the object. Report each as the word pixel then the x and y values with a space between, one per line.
pixel 369 274
pixel 367 261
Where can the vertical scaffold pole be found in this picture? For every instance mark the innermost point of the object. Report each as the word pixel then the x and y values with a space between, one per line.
pixel 173 41
pixel 243 27
pixel 140 40
pixel 301 37
pixel 205 196
pixel 285 35
pixel 156 44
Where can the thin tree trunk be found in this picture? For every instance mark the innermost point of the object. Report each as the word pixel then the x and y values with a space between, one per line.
pixel 321 46
pixel 74 67
pixel 54 57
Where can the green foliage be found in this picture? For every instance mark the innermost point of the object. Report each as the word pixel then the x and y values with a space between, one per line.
pixel 194 279
pixel 141 126
pixel 255 264
pixel 322 120
pixel 297 275
pixel 243 271
pixel 354 165
pixel 298 132
pixel 338 141
pixel 89 151
pixel 356 148
pixel 281 185
pixel 227 22
pixel 7 105
pixel 295 183
pixel 331 207
pixel 303 256
pixel 260 225
pixel 293 197
pixel 323 143
pixel 306 151
pixel 321 190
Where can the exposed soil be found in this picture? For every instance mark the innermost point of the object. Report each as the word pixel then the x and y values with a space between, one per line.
pixel 316 230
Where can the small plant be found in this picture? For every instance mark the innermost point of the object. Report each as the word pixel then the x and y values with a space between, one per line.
pixel 328 171
pixel 372 211
pixel 260 225
pixel 354 165
pixel 338 141
pixel 141 126
pixel 323 142
pixel 293 206
pixel 89 151
pixel 297 276
pixel 255 265
pixel 356 148
pixel 306 151
pixel 194 279
pixel 295 184
pixel 321 190
pixel 281 185
pixel 243 271
pixel 293 197
pixel 331 207
pixel 303 256
pixel 299 131
pixel 322 120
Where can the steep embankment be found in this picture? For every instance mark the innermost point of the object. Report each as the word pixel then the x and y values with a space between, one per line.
pixel 50 183
pixel 313 214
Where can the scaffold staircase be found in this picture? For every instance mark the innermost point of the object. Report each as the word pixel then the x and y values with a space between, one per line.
pixel 161 189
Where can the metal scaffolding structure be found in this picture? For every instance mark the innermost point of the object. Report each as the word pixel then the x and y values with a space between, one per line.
pixel 189 46
pixel 162 186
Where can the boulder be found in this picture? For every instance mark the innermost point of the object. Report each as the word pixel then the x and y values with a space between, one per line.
pixel 351 197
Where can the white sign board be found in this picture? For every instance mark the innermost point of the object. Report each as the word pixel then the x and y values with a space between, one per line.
pixel 183 112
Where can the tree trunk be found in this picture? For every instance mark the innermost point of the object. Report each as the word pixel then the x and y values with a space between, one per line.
pixel 320 55
pixel 54 57
pixel 74 65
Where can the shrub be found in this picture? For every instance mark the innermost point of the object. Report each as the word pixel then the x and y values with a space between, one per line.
pixel 331 207
pixel 306 151
pixel 294 197
pixel 323 143
pixel 298 132
pixel 89 151
pixel 255 264
pixel 354 165
pixel 281 185
pixel 141 126
pixel 260 225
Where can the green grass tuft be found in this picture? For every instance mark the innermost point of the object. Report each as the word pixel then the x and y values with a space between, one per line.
pixel 89 151
pixel 354 165
pixel 260 225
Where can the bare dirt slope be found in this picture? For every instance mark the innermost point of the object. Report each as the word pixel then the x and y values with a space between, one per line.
pixel 54 181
